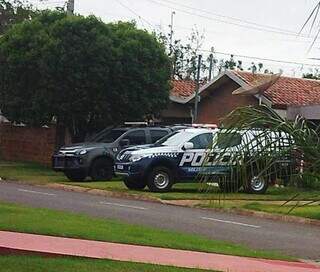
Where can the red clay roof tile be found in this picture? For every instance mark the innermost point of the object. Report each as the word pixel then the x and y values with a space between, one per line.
pixel 183 88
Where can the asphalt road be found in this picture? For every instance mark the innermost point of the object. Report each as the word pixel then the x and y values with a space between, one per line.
pixel 302 241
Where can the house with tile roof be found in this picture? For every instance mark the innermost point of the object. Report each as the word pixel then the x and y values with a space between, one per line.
pixel 288 96
pixel 178 111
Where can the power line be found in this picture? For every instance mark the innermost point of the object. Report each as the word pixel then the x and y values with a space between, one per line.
pixel 230 17
pixel 154 25
pixel 212 32
pixel 136 14
pixel 236 55
pixel 224 53
pixel 259 58
pixel 226 22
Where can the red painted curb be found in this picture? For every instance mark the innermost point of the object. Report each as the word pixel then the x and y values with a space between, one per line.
pixel 48 245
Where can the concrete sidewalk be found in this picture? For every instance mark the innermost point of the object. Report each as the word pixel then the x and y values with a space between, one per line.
pixel 40 244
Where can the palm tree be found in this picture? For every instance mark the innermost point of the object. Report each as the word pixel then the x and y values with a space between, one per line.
pixel 274 140
pixel 312 19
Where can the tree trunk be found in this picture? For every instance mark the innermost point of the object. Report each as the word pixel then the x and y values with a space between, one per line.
pixel 60 135
pixel 79 137
pixel 79 131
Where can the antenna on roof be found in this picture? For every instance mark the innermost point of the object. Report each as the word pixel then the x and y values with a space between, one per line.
pixel 258 87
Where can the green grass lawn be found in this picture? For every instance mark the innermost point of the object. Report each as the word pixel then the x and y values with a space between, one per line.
pixel 49 222
pixel 309 211
pixel 29 172
pixel 36 174
pixel 312 211
pixel 41 264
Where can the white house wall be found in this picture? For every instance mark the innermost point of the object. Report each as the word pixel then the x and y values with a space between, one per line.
pixel 282 113
pixel 309 112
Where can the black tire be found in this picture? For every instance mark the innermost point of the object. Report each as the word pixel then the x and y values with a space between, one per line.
pixel 102 169
pixel 256 185
pixel 160 179
pixel 228 187
pixel 134 184
pixel 76 176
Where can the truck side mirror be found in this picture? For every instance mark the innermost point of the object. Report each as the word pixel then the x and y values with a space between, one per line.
pixel 188 146
pixel 124 142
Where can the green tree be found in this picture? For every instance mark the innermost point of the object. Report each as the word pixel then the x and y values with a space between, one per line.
pixel 184 55
pixel 81 73
pixel 313 74
pixel 14 11
pixel 141 75
pixel 231 64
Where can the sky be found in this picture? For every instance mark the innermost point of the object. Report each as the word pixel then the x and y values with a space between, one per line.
pixel 254 28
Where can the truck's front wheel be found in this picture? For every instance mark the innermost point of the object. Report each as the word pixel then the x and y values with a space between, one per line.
pixel 102 169
pixel 160 179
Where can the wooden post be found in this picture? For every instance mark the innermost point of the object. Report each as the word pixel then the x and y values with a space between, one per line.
pixel 196 101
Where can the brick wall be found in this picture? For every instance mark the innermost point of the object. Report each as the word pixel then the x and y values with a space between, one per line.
pixel 220 102
pixel 26 143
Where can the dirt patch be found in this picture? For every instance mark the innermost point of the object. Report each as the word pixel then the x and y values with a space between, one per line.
pixel 187 203
pixel 80 189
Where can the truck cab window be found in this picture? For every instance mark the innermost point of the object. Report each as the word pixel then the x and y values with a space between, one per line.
pixel 137 137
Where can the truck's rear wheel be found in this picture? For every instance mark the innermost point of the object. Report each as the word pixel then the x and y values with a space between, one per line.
pixel 160 179
pixel 76 176
pixel 134 184
pixel 102 169
pixel 256 185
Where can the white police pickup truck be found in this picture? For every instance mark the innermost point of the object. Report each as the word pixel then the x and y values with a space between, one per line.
pixel 176 157
pixel 183 155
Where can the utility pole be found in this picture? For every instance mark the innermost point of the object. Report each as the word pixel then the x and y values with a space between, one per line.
pixel 70 7
pixel 196 101
pixel 210 66
pixel 171 31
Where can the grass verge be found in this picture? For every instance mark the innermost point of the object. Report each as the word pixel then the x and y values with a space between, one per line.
pixel 40 264
pixel 32 173
pixel 312 211
pixel 63 224
pixel 293 208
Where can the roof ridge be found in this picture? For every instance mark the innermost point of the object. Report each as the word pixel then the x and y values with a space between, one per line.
pixel 241 77
pixel 183 80
pixel 262 74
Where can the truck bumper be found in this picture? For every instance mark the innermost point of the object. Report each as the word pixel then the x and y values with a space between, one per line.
pixel 132 170
pixel 65 163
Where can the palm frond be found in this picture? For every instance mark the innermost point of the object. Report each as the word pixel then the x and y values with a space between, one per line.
pixel 272 141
